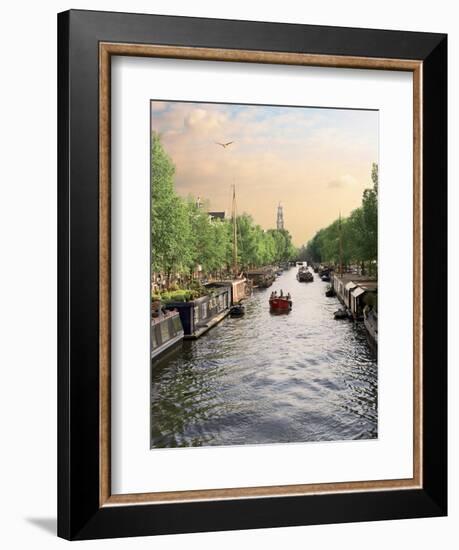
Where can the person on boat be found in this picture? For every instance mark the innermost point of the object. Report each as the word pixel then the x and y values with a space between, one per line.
pixel 289 297
pixel 281 293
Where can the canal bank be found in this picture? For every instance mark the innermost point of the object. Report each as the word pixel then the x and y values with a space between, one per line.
pixel 265 379
pixel 359 296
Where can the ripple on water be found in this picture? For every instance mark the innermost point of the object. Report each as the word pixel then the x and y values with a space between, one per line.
pixel 269 379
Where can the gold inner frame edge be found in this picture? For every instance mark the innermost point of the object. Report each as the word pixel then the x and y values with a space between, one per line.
pixel 106 51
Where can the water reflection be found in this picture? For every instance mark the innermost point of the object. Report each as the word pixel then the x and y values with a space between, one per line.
pixel 269 378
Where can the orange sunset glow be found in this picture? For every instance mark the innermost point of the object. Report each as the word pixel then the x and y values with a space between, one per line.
pixel 315 162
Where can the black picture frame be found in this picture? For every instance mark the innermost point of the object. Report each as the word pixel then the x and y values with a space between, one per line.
pixel 80 515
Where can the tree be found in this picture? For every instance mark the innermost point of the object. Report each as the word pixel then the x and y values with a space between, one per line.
pixel 211 241
pixel 358 233
pixel 185 236
pixel 247 242
pixel 283 249
pixel 370 219
pixel 170 227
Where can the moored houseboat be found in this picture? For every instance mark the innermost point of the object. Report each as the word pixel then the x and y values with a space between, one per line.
pixel 166 331
pixel 261 278
pixel 201 314
pixel 370 320
pixel 240 288
pixel 365 293
pixel 344 284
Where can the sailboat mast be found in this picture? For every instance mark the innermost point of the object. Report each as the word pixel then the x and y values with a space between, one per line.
pixel 340 247
pixel 235 270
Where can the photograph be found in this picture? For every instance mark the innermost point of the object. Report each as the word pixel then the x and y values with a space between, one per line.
pixel 264 274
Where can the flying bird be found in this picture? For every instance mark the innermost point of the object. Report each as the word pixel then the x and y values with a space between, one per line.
pixel 224 145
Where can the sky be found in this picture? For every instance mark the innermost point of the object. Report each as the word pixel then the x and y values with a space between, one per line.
pixel 314 162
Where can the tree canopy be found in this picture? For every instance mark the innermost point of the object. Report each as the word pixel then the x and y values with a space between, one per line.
pixel 358 233
pixel 184 236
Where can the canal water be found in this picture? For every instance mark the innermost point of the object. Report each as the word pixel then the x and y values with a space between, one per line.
pixel 267 378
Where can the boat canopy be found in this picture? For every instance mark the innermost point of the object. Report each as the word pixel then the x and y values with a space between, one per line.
pixel 350 285
pixel 358 292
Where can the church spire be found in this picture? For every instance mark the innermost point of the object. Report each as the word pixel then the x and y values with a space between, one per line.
pixel 280 217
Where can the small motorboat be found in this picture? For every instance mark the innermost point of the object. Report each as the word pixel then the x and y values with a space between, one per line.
pixel 304 275
pixel 340 314
pixel 324 274
pixel 330 292
pixel 237 310
pixel 280 304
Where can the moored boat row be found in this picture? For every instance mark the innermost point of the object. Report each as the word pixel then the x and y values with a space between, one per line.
pixel 173 320
pixel 356 292
pixel 358 295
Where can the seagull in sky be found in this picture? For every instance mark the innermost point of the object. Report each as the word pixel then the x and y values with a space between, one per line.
pixel 224 145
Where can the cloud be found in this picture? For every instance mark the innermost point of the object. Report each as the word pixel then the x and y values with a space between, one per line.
pixel 159 106
pixel 290 154
pixel 204 121
pixel 342 182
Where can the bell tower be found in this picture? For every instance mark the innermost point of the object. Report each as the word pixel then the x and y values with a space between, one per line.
pixel 280 217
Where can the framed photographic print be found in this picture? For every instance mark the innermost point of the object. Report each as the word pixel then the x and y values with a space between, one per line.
pixel 252 247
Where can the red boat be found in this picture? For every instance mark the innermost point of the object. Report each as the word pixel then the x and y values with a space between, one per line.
pixel 280 304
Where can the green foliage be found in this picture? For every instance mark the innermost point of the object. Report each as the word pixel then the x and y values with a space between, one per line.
pixel 257 247
pixel 358 233
pixel 184 236
pixel 197 289
pixel 176 296
pixel 282 245
pixel 179 295
pixel 210 239
pixel 370 217
pixel 170 227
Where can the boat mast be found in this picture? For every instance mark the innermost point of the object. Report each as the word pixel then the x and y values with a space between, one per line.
pixel 234 216
pixel 234 213
pixel 340 246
